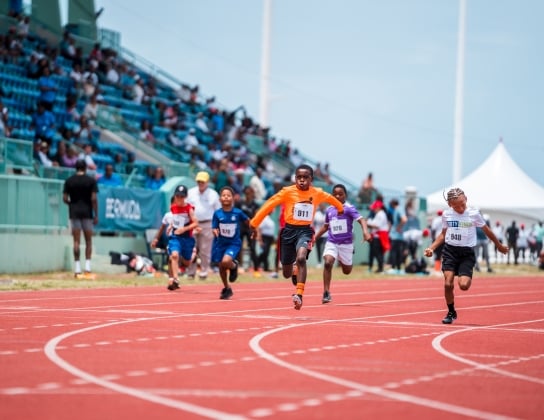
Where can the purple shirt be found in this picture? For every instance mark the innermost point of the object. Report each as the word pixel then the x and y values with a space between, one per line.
pixel 341 226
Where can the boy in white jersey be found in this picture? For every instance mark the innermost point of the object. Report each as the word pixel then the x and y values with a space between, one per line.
pixel 459 234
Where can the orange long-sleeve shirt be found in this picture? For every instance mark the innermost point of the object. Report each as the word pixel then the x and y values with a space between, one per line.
pixel 300 205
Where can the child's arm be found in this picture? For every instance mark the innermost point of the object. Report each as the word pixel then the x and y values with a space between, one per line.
pixel 321 231
pixel 489 233
pixel 158 236
pixel 437 242
pixel 366 234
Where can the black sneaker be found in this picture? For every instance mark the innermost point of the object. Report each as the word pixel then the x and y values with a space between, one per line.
pixel 294 276
pixel 450 317
pixel 297 301
pixel 226 293
pixel 233 273
pixel 174 285
pixel 326 297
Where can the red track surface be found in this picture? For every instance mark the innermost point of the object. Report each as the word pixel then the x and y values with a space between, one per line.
pixel 378 351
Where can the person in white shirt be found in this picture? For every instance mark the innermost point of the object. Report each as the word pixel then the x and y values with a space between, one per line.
pixel 256 182
pixel 205 201
pixel 459 224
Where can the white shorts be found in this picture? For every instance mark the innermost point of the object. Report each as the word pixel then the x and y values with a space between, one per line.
pixel 340 252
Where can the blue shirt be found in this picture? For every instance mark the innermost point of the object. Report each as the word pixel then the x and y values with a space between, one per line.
pixel 114 181
pixel 47 95
pixel 228 223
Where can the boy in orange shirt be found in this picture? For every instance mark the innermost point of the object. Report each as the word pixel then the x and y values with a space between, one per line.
pixel 300 201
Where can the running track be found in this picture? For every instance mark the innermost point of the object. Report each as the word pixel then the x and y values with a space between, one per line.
pixel 378 351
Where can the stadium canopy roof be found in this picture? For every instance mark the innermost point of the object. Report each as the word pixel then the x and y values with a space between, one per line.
pixel 499 188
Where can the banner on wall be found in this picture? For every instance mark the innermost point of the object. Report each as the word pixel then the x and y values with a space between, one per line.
pixel 129 209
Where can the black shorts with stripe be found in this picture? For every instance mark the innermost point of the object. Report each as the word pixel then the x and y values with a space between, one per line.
pixel 292 238
pixel 459 259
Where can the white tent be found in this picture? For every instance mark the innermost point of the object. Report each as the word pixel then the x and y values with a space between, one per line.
pixel 499 188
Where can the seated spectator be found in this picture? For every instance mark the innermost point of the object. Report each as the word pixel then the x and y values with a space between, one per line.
pixel 156 180
pixel 76 76
pixel 67 46
pixel 87 156
pixel 43 123
pixel 71 157
pixel 146 132
pixel 72 114
pixel 91 108
pixel 83 133
pixel 5 130
pixel 110 178
pixel 367 192
pixel 138 91
pixel 48 89
pixel 42 154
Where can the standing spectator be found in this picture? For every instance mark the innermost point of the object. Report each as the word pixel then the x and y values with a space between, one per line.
pixel 267 238
pixel 459 224
pixel 258 185
pixel 249 206
pixel 227 243
pixel 380 243
pixel 522 244
pixel 80 193
pixel 300 203
pixel 539 236
pixel 512 234
pixel 205 201
pixel 412 230
pixel 498 231
pixel 221 178
pixel 482 243
pixel 436 228
pixel 318 223
pixel 339 244
pixel 396 236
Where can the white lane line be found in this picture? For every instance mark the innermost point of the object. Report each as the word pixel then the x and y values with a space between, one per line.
pixel 51 353
pixel 437 345
pixel 375 390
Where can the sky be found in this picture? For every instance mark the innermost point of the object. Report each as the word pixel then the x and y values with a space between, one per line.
pixel 364 85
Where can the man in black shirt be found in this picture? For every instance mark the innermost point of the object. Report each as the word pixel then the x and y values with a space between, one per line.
pixel 80 193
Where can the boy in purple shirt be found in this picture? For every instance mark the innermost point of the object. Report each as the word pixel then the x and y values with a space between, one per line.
pixel 340 238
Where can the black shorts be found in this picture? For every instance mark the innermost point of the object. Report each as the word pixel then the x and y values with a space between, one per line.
pixel 291 239
pixel 459 259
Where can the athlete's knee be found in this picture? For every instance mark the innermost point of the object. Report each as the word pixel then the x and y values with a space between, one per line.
pixel 448 287
pixel 346 269
pixel 301 261
pixel 329 264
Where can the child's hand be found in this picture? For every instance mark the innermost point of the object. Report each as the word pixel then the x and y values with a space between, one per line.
pixel 428 252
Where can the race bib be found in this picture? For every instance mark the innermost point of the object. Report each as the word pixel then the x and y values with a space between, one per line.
pixel 303 212
pixel 338 226
pixel 228 230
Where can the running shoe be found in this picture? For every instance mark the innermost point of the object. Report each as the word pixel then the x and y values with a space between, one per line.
pixel 297 301
pixel 326 297
pixel 226 293
pixel 233 273
pixel 295 274
pixel 448 319
pixel 173 284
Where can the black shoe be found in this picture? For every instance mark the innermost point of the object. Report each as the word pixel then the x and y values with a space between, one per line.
pixel 226 293
pixel 448 319
pixel 326 297
pixel 233 273
pixel 294 276
pixel 297 301
pixel 174 285
pixel 489 270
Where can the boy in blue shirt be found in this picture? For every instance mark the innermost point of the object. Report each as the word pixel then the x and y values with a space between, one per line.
pixel 227 242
